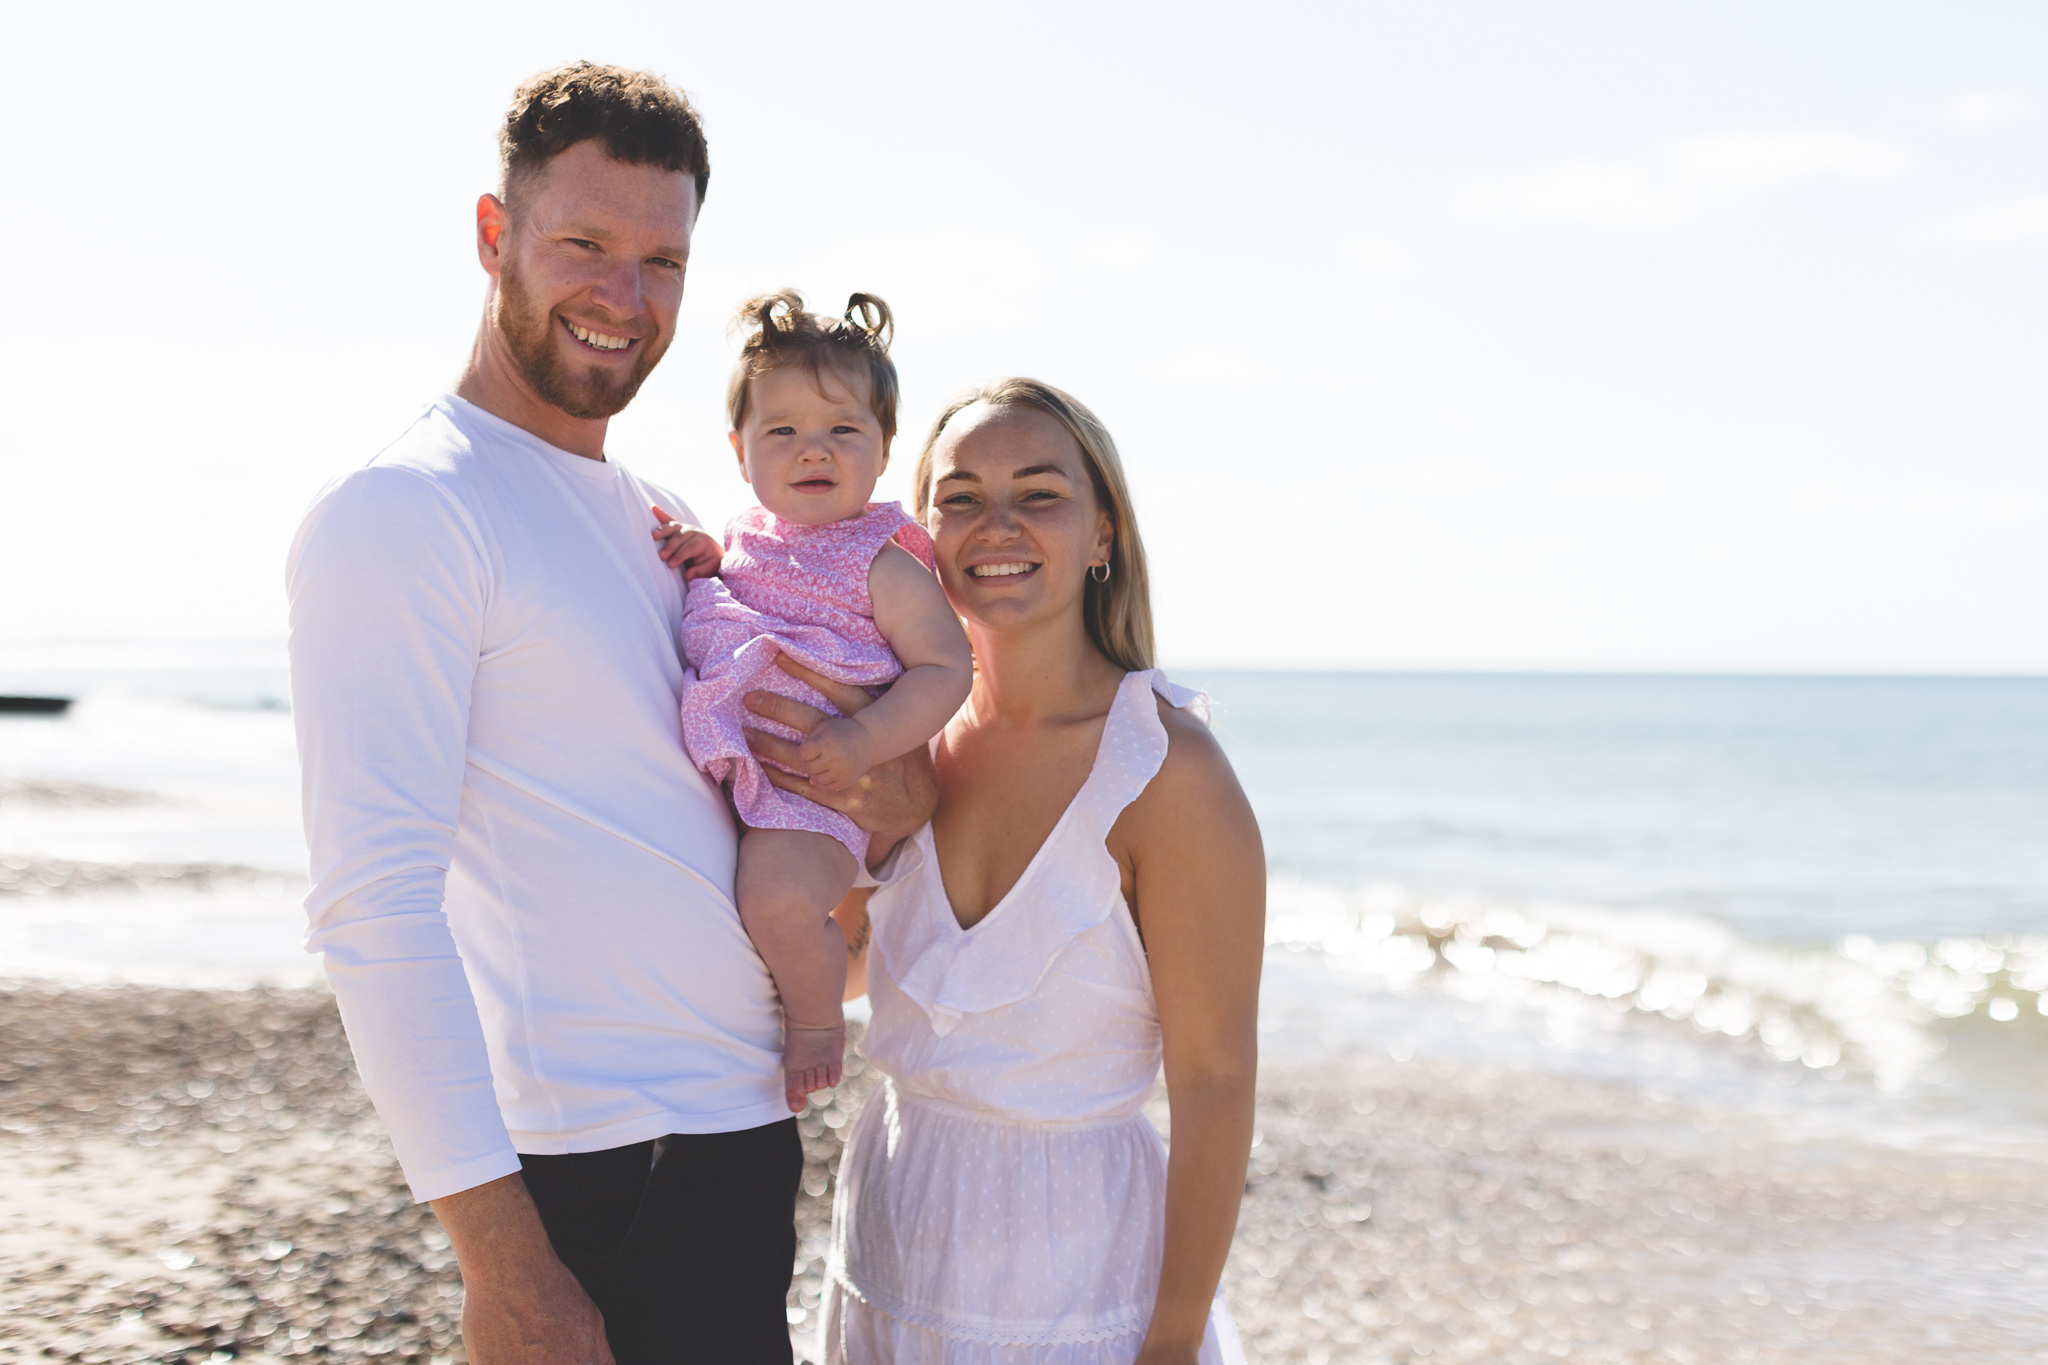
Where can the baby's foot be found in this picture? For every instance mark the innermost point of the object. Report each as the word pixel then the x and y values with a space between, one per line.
pixel 811 1060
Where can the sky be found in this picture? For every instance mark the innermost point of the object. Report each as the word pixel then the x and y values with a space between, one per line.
pixel 1574 336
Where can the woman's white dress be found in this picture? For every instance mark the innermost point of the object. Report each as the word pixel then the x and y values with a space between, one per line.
pixel 1002 1197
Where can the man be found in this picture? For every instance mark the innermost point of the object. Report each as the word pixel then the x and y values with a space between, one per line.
pixel 522 887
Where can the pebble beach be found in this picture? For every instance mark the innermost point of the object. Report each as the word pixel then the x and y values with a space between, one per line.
pixel 191 1176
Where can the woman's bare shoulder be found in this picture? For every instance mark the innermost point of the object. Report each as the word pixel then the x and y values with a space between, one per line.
pixel 1191 745
pixel 1195 788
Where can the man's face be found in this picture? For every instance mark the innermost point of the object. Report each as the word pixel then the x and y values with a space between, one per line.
pixel 590 274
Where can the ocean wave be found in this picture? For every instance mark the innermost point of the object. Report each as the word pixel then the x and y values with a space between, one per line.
pixel 24 876
pixel 1858 1004
pixel 20 797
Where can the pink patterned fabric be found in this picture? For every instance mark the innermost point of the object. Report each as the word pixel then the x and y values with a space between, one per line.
pixel 795 590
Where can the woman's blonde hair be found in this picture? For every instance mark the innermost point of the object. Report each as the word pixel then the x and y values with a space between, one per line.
pixel 1118 611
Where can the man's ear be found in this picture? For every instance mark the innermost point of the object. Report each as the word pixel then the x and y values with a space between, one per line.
pixel 739 450
pixel 491 221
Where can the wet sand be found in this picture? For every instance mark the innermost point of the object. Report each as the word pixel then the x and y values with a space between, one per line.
pixel 194 1176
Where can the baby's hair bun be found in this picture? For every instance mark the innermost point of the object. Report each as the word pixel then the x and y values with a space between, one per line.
pixel 777 330
pixel 777 320
pixel 769 315
pixel 871 315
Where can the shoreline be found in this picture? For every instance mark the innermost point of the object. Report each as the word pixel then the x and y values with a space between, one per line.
pixel 189 1172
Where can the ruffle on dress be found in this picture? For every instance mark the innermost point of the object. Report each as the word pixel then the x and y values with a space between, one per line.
pixel 1070 886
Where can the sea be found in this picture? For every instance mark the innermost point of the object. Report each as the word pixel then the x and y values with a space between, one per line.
pixel 1817 906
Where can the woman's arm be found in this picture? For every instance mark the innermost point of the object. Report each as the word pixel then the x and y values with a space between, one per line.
pixel 851 915
pixel 1199 883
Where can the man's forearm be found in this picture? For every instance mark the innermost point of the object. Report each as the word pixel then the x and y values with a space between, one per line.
pixel 521 1306
pixel 494 1228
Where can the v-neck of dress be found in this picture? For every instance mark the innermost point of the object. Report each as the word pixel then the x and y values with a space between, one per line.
pixel 1051 837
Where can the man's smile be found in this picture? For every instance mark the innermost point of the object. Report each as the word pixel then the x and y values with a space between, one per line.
pixel 595 340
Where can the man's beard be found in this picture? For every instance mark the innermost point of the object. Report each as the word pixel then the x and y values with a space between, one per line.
pixel 529 329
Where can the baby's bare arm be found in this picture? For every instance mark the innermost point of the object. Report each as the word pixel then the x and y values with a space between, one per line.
pixel 938 670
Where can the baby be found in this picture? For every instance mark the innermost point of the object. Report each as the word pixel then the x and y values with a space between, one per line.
pixel 842 586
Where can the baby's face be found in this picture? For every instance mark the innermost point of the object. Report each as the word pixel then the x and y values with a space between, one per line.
pixel 811 450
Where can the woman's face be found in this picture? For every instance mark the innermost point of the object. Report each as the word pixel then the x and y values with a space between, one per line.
pixel 1013 517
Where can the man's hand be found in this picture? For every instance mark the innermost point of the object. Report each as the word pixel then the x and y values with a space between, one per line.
pixel 890 800
pixel 690 548
pixel 520 1304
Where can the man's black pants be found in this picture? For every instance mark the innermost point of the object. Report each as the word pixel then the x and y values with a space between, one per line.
pixel 684 1243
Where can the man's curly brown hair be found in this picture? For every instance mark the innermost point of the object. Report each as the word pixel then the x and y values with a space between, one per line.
pixel 641 119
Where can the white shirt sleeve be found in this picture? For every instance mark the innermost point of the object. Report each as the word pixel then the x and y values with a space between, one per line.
pixel 388 583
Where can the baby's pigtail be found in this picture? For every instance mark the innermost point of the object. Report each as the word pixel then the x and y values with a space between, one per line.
pixel 869 314
pixel 769 319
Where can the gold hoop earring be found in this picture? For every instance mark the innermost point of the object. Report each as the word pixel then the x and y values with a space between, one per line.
pixel 1099 572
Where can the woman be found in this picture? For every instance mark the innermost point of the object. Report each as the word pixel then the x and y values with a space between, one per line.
pixel 1088 898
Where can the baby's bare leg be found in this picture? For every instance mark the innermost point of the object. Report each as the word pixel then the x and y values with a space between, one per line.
pixel 789 880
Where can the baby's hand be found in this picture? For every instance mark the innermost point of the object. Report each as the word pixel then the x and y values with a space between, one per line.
pixel 837 753
pixel 690 548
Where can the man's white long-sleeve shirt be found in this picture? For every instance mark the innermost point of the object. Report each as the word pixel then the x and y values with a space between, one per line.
pixel 522 886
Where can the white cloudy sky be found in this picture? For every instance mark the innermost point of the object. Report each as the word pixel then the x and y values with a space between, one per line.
pixel 1490 335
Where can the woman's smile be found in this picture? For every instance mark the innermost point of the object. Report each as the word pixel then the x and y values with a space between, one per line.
pixel 1011 569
